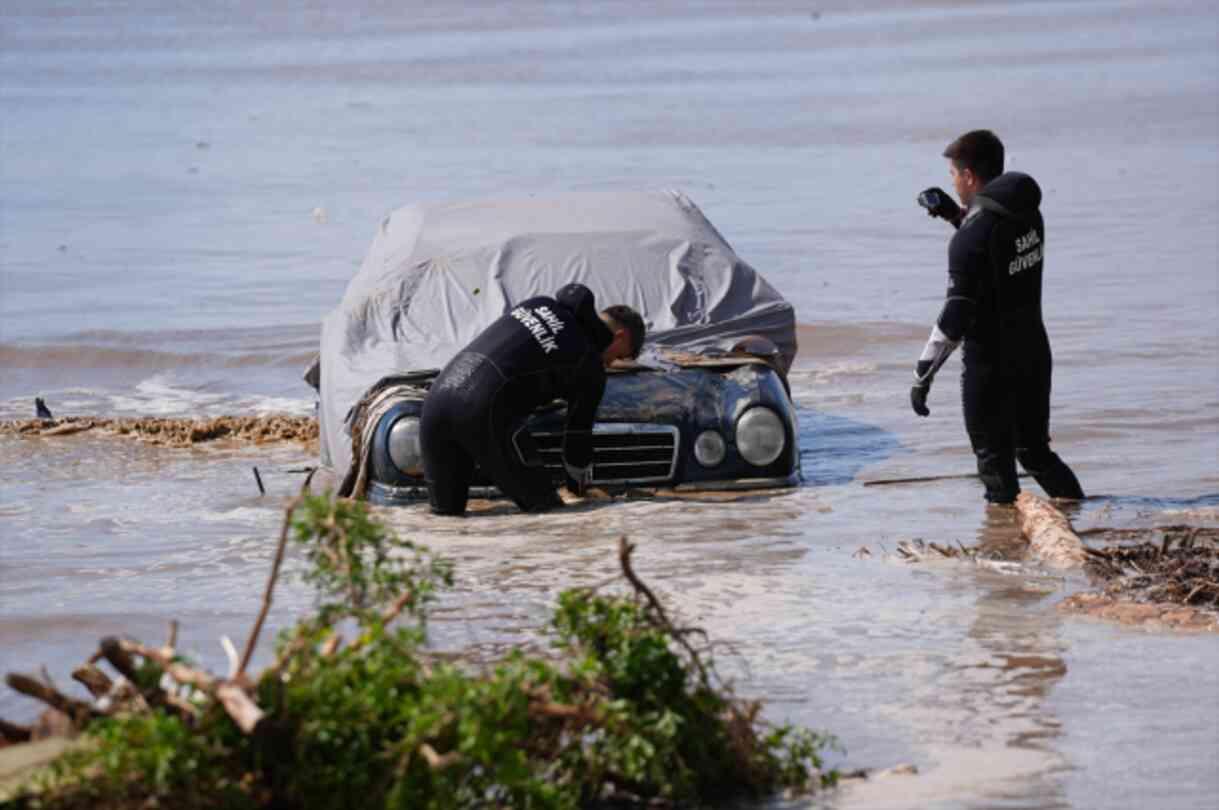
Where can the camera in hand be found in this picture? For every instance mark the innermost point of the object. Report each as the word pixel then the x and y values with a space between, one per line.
pixel 939 204
pixel 930 199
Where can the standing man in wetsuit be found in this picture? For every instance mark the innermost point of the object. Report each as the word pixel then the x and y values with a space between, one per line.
pixel 994 306
pixel 543 349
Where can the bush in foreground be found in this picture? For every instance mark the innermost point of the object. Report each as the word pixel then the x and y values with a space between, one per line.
pixel 627 712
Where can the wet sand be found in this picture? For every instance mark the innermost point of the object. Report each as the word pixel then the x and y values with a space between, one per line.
pixel 159 257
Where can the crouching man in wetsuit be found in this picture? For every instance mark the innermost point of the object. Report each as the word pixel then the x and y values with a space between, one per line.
pixel 544 349
pixel 994 306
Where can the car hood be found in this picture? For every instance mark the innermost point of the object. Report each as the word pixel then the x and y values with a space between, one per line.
pixel 675 397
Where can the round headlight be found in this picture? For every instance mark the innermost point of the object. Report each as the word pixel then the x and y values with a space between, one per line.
pixel 709 448
pixel 760 436
pixel 404 449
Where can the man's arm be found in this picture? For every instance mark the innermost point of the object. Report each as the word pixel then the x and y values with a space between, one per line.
pixel 582 403
pixel 956 316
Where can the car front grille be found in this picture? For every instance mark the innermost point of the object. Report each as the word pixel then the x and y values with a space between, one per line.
pixel 623 452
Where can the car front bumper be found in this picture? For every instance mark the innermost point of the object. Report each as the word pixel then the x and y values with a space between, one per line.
pixel 388 495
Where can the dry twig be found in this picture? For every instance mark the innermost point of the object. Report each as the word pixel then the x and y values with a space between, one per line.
pixel 14 733
pixel 77 711
pixel 625 548
pixel 97 682
pixel 269 592
pixel 438 762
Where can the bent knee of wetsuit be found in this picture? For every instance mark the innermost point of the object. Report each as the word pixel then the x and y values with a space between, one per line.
pixel 1036 459
pixel 1050 471
pixel 530 488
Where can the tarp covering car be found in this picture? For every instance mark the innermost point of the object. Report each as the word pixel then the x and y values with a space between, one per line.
pixel 436 275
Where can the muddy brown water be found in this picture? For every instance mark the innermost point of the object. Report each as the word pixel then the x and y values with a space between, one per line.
pixel 159 257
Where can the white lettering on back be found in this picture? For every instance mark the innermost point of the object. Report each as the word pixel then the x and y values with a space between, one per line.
pixel 553 321
pixel 543 329
pixel 1028 253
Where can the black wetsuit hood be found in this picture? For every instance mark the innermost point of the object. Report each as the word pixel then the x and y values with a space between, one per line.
pixel 579 299
pixel 1011 194
pixel 994 269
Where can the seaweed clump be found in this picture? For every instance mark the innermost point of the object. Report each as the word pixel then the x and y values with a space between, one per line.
pixel 175 432
pixel 627 712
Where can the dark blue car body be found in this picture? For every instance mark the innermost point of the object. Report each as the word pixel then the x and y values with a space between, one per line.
pixel 644 436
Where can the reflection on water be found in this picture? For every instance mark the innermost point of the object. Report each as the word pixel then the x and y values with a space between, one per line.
pixel 999 536
pixel 1202 508
pixel 835 448
pixel 977 702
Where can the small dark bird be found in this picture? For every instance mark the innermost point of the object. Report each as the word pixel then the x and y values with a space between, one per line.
pixel 41 410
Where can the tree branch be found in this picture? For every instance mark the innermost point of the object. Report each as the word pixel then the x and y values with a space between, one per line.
pixel 625 548
pixel 252 641
pixel 97 682
pixel 11 732
pixel 77 711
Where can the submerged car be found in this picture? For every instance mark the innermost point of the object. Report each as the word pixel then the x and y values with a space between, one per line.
pixel 706 406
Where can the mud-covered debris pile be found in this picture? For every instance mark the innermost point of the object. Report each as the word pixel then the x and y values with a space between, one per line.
pixel 1167 576
pixel 1182 568
pixel 176 432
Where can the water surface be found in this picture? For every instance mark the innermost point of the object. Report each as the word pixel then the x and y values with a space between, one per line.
pixel 184 192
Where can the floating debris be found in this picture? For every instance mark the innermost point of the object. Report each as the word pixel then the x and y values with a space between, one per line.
pixel 918 549
pixel 905 769
pixel 1051 538
pixel 1163 576
pixel 1176 565
pixel 1142 614
pixel 175 432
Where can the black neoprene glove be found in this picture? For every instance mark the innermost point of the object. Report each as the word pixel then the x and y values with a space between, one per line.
pixel 920 389
pixel 939 204
pixel 918 398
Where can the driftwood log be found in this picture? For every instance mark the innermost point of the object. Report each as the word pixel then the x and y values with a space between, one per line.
pixel 1051 538
pixel 1146 584
pixel 78 711
pixel 97 682
pixel 131 691
pixel 14 732
pixel 232 694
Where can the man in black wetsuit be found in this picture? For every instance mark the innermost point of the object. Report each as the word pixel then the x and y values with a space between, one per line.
pixel 994 306
pixel 543 349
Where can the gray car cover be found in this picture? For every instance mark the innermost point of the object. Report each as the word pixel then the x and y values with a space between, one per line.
pixel 438 274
